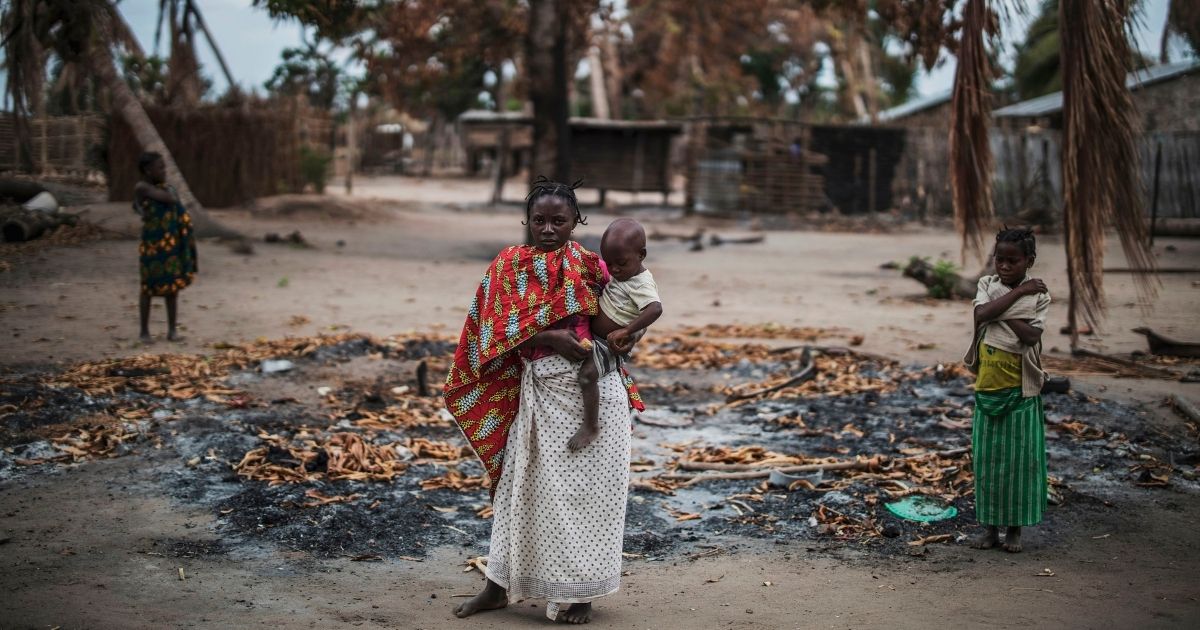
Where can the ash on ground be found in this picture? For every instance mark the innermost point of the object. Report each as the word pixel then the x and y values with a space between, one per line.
pixel 1099 452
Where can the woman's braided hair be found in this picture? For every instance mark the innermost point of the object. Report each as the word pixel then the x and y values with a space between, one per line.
pixel 1023 237
pixel 544 187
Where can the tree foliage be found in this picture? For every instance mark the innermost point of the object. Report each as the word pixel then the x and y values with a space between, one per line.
pixel 432 57
pixel 1037 70
pixel 309 72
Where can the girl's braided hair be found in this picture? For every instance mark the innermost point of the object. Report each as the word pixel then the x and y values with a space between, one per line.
pixel 148 158
pixel 1023 237
pixel 544 187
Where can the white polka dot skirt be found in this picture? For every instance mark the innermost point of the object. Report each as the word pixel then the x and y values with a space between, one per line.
pixel 559 517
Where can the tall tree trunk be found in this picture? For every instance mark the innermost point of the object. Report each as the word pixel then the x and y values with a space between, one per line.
pixel 599 89
pixel 851 93
pixel 611 61
pixel 869 84
pixel 212 43
pixel 546 56
pixel 126 105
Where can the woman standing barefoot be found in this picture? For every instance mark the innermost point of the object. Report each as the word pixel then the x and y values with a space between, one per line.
pixel 559 515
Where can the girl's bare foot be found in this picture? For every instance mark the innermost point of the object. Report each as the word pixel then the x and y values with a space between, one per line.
pixel 1012 540
pixel 583 437
pixel 988 539
pixel 175 337
pixel 577 613
pixel 146 339
pixel 492 597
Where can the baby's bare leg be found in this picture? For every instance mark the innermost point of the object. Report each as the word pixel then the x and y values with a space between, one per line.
pixel 589 382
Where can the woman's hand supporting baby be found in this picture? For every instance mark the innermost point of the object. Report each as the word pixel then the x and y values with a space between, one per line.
pixel 563 342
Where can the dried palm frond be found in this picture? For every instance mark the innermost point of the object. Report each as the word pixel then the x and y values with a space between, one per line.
pixel 1100 159
pixel 970 151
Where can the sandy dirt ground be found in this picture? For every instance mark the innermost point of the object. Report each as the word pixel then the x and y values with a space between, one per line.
pixel 414 259
pixel 84 547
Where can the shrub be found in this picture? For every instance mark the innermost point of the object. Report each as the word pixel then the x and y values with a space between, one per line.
pixel 314 167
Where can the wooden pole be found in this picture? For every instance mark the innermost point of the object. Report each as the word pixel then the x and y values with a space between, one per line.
pixel 502 152
pixel 1154 197
pixel 871 175
pixel 1072 297
pixel 351 145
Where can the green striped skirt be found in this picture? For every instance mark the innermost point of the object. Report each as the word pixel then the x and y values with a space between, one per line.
pixel 1008 437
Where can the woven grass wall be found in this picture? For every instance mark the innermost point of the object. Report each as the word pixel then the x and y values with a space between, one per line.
pixel 229 155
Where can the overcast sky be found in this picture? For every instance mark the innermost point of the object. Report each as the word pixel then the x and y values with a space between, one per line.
pixel 252 42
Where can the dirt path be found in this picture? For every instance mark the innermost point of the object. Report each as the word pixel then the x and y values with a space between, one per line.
pixel 412 264
pixel 90 549
pixel 101 544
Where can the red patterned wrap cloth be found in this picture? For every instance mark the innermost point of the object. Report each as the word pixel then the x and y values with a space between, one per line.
pixel 523 292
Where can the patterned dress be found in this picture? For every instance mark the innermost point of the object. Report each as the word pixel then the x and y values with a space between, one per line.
pixel 167 253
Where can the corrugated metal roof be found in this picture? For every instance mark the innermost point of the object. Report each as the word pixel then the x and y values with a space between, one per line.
pixel 912 107
pixel 1053 103
pixel 488 116
pixel 485 115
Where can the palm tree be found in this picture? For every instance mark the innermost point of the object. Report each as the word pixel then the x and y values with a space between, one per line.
pixel 1100 160
pixel 85 32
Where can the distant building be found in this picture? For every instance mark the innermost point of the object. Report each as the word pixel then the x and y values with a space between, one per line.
pixel 628 155
pixel 1028 135
pixel 927 111
pixel 1167 96
pixel 922 186
pixel 1026 140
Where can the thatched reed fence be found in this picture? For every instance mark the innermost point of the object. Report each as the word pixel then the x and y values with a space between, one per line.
pixel 229 155
pixel 68 147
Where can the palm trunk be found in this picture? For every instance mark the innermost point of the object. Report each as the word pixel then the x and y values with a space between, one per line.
pixel 212 43
pixel 126 105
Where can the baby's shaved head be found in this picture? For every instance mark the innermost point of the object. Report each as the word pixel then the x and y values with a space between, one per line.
pixel 623 248
pixel 624 233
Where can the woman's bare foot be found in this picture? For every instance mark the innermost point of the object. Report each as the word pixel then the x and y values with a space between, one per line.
pixel 1012 540
pixel 577 613
pixel 988 539
pixel 492 597
pixel 583 437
